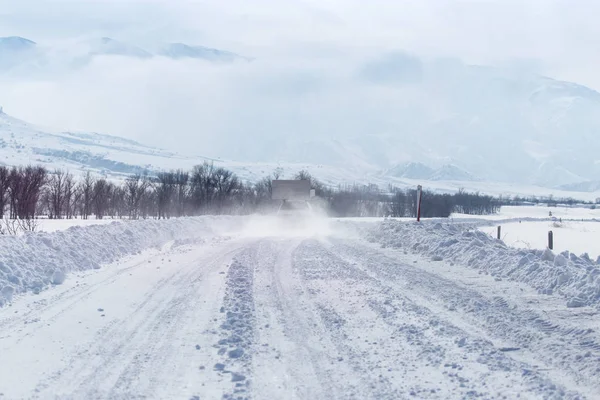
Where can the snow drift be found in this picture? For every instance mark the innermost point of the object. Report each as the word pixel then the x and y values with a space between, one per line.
pixel 35 261
pixel 576 278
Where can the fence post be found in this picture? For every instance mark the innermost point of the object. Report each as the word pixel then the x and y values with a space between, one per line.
pixel 499 230
pixel 550 240
pixel 419 192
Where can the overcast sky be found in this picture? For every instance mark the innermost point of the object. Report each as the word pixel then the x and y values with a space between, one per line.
pixel 298 43
pixel 558 36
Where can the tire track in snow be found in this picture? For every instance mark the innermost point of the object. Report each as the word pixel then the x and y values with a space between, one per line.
pixel 296 355
pixel 549 343
pixel 392 367
pixel 325 278
pixel 237 331
pixel 127 352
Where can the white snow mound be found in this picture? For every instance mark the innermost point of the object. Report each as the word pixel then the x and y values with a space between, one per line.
pixel 576 278
pixel 35 261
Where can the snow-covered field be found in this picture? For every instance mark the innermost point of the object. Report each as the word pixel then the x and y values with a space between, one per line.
pixel 215 307
pixel 575 236
pixel 539 212
pixel 576 230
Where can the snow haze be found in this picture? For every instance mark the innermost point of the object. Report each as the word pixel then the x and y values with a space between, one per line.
pixel 459 88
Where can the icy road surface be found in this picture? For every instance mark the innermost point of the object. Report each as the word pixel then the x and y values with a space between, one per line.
pixel 304 316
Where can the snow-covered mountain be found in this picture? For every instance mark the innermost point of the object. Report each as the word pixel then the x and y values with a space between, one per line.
pixel 400 118
pixel 178 51
pixel 15 44
pixel 410 170
pixel 22 143
pixel 487 123
pixel 108 46
pixel 22 53
pixel 416 170
pixel 15 50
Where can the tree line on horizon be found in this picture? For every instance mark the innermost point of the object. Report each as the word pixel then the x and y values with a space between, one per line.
pixel 30 192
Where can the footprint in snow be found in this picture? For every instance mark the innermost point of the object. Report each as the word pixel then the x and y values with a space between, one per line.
pixel 219 367
pixel 237 353
pixel 235 377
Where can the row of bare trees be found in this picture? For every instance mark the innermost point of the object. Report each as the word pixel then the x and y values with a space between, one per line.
pixel 20 191
pixel 370 201
pixel 28 192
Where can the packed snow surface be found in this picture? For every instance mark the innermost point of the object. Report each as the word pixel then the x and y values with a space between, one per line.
pixel 263 308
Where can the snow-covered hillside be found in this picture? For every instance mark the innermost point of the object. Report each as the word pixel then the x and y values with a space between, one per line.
pixel 486 123
pixel 499 126
pixel 22 143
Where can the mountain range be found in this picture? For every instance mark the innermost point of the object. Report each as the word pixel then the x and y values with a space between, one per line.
pixel 113 157
pixel 18 52
pixel 437 120
pixel 22 143
pixel 446 120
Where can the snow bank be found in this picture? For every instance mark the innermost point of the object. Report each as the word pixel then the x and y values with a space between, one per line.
pixel 577 278
pixel 35 261
pixel 53 225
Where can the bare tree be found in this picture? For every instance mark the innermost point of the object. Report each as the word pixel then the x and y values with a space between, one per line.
pixel 86 188
pixel 226 183
pixel 262 191
pixel 75 206
pixel 101 195
pixel 148 203
pixel 25 188
pixel 4 189
pixel 202 187
pixel 60 191
pixel 181 181
pixel 315 184
pixel 164 190
pixel 135 190
pixel 117 205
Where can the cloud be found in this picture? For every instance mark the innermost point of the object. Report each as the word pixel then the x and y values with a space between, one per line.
pixel 394 68
pixel 310 56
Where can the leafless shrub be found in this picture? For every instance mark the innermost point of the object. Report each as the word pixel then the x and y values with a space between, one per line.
pixel 28 225
pixel 9 227
pixel 18 226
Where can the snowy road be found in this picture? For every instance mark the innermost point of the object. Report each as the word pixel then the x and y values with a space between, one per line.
pixel 293 318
